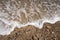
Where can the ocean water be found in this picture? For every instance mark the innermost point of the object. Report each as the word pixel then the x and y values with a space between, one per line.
pixel 20 13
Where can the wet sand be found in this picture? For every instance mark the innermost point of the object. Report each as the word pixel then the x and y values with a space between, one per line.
pixel 48 32
pixel 46 10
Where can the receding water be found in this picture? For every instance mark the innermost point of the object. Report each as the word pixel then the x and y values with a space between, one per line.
pixel 20 13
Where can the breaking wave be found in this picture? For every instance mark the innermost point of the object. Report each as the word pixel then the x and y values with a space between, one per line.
pixel 20 13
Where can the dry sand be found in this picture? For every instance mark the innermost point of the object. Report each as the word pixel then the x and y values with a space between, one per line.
pixel 48 32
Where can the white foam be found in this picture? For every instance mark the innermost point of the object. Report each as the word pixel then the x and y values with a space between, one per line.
pixel 51 16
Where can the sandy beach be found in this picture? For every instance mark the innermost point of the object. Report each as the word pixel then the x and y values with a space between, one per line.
pixel 48 32
pixel 29 20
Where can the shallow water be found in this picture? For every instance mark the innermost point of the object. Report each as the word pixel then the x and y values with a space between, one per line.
pixel 21 13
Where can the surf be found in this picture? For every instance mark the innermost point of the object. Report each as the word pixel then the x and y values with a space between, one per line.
pixel 30 12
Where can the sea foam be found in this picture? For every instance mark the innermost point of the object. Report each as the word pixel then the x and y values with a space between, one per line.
pixel 10 14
